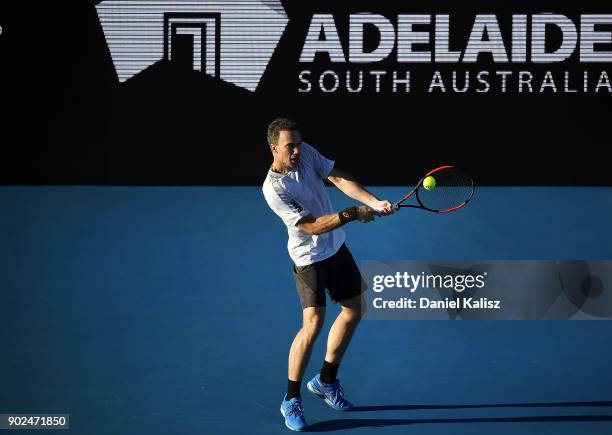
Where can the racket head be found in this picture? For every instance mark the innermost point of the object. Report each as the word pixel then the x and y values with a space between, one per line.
pixel 453 190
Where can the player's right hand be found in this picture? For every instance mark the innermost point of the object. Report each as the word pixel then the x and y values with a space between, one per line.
pixel 383 208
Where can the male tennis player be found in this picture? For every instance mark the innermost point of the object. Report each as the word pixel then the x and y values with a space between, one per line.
pixel 295 191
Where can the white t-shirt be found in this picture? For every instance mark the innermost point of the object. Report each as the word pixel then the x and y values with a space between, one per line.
pixel 298 193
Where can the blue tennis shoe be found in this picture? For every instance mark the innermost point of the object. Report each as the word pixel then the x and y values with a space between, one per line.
pixel 294 413
pixel 331 393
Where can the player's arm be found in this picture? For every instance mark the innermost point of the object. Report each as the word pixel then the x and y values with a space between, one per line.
pixel 326 223
pixel 351 187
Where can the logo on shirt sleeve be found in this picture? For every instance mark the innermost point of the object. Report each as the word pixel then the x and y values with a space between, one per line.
pixel 297 207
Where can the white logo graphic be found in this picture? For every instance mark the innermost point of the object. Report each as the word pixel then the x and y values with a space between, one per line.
pixel 233 39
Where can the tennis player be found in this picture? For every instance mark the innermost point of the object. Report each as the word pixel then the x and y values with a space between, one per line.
pixel 294 189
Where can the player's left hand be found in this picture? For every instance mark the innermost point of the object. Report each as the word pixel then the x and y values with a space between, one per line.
pixel 383 208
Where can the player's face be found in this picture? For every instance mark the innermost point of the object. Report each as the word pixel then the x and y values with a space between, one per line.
pixel 288 148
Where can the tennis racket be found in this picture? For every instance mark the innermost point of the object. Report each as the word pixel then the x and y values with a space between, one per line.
pixel 453 190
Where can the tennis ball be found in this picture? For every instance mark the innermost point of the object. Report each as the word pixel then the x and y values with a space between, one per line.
pixel 429 183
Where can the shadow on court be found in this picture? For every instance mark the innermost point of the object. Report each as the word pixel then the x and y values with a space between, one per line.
pixel 497 405
pixel 342 424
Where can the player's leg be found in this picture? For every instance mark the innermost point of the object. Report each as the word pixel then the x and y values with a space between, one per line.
pixel 310 282
pixel 301 348
pixel 343 329
pixel 345 287
pixel 325 384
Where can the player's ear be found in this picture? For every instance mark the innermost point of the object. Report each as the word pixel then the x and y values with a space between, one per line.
pixel 272 148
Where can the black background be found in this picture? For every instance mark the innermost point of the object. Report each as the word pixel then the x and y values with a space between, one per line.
pixel 67 120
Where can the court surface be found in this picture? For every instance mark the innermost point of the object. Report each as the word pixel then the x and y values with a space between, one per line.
pixel 169 310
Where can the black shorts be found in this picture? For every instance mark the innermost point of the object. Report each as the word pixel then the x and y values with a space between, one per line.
pixel 338 274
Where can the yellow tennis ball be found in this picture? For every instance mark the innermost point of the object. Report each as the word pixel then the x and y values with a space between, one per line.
pixel 429 183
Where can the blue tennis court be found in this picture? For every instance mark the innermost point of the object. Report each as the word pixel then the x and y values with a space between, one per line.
pixel 166 310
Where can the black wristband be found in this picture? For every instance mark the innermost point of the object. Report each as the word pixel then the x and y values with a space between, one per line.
pixel 347 215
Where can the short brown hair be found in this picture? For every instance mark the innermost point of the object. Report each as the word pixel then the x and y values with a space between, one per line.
pixel 278 125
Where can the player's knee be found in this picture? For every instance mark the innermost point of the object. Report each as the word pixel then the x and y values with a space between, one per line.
pixel 313 323
pixel 354 309
pixel 353 315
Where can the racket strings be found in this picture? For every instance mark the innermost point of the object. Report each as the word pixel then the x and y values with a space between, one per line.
pixel 453 188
